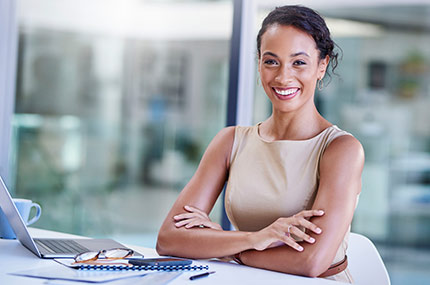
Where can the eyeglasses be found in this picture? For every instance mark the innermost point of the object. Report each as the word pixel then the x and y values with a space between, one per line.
pixel 105 254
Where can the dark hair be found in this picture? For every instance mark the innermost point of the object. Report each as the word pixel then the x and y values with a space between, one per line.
pixel 307 20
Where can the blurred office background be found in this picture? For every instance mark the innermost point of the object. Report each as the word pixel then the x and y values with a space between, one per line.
pixel 117 100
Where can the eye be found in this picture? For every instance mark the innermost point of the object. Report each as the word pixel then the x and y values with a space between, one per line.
pixel 299 62
pixel 270 62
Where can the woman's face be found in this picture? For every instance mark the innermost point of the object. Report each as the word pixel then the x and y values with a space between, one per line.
pixel 289 67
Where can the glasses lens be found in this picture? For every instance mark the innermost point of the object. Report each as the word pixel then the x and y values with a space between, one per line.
pixel 86 256
pixel 117 253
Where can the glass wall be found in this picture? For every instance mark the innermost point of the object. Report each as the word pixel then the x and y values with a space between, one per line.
pixel 382 95
pixel 115 103
pixel 117 100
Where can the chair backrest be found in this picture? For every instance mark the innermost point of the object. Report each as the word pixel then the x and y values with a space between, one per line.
pixel 364 262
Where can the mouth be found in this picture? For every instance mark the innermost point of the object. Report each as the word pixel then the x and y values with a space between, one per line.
pixel 286 93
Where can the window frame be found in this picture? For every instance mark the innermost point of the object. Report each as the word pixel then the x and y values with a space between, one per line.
pixel 8 58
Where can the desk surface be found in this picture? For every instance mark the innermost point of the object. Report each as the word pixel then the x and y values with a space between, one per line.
pixel 15 257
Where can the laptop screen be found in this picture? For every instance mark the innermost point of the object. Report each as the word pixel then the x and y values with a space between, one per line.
pixel 15 220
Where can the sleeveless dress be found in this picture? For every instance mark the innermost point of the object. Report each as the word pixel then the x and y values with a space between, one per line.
pixel 272 179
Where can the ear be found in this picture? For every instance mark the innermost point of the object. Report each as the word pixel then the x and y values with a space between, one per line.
pixel 322 66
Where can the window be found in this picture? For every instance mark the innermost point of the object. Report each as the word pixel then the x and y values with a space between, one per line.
pixel 115 103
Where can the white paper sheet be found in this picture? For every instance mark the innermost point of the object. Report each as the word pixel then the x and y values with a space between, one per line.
pixel 158 278
pixel 60 272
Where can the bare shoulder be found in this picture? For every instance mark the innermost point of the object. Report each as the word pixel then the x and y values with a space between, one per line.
pixel 221 146
pixel 345 147
pixel 227 133
pixel 344 157
pixel 342 164
pixel 225 137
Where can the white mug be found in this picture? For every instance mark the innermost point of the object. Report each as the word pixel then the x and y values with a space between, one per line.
pixel 24 207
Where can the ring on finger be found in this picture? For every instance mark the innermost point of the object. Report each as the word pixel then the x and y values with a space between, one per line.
pixel 288 231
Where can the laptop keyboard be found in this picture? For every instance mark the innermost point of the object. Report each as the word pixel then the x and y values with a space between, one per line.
pixel 62 245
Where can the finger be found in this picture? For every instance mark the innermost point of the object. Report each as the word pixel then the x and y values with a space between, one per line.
pixel 187 216
pixel 212 225
pixel 209 224
pixel 194 223
pixel 180 217
pixel 310 226
pixel 287 239
pixel 297 232
pixel 195 210
pixel 310 213
pixel 182 223
pixel 188 221
pixel 292 243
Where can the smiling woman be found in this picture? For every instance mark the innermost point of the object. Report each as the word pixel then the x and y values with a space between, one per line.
pixel 293 180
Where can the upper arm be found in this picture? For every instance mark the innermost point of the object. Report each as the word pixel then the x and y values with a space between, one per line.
pixel 340 182
pixel 207 183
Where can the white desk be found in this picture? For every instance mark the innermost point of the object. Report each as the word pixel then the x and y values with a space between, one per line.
pixel 15 257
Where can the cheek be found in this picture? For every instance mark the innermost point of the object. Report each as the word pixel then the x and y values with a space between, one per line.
pixel 265 83
pixel 265 77
pixel 308 78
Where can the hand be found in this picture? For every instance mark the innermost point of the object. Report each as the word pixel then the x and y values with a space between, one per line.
pixel 280 231
pixel 194 218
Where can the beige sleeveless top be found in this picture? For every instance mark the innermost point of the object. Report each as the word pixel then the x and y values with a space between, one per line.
pixel 268 180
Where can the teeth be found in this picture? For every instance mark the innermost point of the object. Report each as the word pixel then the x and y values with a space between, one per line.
pixel 286 92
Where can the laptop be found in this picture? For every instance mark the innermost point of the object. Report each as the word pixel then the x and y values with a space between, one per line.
pixel 50 247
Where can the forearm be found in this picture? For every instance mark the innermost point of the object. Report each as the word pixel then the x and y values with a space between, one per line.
pixel 202 242
pixel 315 258
pixel 284 259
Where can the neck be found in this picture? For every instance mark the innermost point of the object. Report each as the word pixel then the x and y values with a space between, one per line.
pixel 299 125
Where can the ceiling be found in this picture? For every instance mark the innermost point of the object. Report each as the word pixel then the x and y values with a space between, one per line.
pixel 396 17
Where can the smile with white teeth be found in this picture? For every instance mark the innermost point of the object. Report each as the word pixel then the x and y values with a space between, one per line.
pixel 286 92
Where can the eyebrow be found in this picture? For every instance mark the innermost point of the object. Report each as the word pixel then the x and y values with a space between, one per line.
pixel 299 53
pixel 291 55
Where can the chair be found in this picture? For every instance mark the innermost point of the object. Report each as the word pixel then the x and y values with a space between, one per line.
pixel 364 262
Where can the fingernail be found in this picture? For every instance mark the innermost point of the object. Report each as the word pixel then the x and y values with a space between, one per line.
pixel 321 212
pixel 312 240
pixel 300 248
pixel 318 230
pixel 186 207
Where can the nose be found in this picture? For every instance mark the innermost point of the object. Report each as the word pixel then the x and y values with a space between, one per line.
pixel 284 75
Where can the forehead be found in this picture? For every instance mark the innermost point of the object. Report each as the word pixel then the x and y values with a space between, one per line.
pixel 287 39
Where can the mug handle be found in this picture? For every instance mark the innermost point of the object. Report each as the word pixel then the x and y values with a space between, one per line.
pixel 38 213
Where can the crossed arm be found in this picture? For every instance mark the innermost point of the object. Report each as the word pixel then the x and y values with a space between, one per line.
pixel 272 247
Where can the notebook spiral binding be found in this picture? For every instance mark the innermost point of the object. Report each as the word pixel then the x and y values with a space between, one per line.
pixel 144 267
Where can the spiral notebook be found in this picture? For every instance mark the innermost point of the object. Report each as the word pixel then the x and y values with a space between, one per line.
pixel 116 265
pixel 109 272
pixel 64 273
